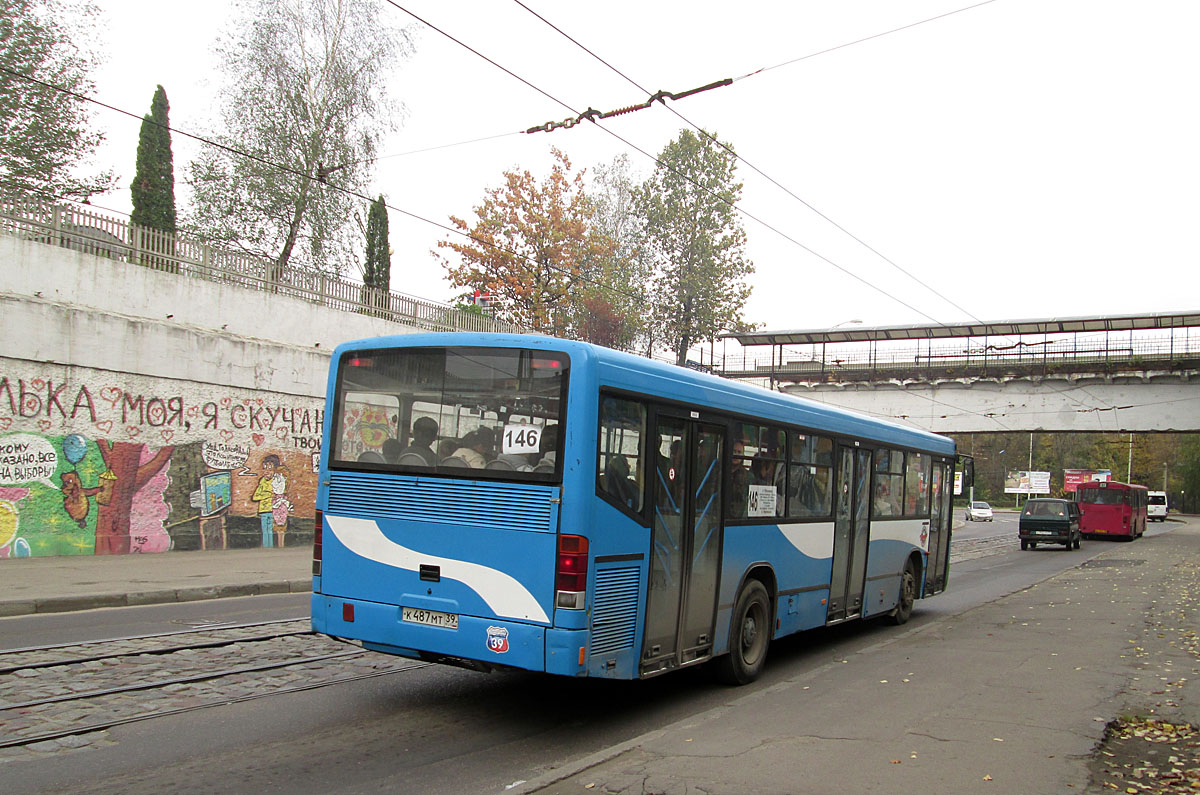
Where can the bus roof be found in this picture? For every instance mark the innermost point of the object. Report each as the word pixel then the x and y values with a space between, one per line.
pixel 626 371
pixel 1109 484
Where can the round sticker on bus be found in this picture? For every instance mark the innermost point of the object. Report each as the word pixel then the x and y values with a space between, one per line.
pixel 520 439
pixel 671 473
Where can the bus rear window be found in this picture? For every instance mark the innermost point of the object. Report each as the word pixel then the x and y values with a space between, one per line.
pixel 1102 496
pixel 447 410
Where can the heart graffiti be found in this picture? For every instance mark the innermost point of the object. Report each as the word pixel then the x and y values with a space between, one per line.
pixel 167 434
pixel 112 394
pixel 226 434
pixel 258 439
pixel 104 425
pixel 5 423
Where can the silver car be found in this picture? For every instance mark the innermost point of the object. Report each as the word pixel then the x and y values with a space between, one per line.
pixel 979 512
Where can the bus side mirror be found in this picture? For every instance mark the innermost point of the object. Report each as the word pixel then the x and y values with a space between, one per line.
pixel 968 470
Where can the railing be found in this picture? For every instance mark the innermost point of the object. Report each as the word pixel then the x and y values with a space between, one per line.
pixel 84 229
pixel 1179 349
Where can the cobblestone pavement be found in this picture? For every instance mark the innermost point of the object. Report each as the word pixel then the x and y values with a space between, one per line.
pixel 41 693
pixel 29 678
pixel 962 549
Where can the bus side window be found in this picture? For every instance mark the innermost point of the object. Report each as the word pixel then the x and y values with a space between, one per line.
pixel 619 470
pixel 810 482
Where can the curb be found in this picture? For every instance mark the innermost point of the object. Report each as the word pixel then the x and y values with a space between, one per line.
pixel 64 604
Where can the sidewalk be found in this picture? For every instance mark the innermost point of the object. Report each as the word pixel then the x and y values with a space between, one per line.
pixel 58 584
pixel 1013 696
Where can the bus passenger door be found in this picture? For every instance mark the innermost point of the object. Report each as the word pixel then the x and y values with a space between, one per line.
pixel 939 529
pixel 851 534
pixel 685 544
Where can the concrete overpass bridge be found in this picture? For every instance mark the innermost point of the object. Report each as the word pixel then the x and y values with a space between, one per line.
pixel 1096 374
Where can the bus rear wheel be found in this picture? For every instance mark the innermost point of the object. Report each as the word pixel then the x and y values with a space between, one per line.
pixel 749 636
pixel 908 595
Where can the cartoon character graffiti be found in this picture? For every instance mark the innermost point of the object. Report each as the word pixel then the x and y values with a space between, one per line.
pixel 264 496
pixel 75 497
pixel 12 546
pixel 281 506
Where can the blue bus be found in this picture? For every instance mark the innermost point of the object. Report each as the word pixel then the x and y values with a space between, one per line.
pixel 500 500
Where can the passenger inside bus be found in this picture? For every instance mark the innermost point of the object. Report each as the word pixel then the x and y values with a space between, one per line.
pixel 619 484
pixel 392 450
pixel 547 449
pixel 477 447
pixel 739 480
pixel 424 432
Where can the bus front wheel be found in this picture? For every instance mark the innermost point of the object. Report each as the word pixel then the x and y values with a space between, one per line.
pixel 749 636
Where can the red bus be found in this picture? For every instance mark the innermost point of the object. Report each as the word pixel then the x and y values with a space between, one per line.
pixel 1114 510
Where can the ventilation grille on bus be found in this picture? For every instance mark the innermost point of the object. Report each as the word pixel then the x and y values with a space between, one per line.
pixel 615 610
pixel 500 505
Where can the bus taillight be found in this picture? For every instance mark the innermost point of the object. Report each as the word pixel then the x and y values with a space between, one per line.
pixel 570 579
pixel 317 527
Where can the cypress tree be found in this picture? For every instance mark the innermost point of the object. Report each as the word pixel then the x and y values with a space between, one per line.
pixel 154 184
pixel 377 271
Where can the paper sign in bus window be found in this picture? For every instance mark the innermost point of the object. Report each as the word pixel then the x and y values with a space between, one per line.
pixel 520 439
pixel 761 501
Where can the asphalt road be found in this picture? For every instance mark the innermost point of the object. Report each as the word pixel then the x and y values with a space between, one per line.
pixel 443 730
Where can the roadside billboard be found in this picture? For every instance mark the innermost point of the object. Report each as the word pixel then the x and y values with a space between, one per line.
pixel 1073 477
pixel 1021 482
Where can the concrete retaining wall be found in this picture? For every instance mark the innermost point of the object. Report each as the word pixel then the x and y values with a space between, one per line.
pixel 141 411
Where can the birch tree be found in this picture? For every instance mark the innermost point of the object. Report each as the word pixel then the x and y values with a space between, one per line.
pixel 304 107
pixel 45 136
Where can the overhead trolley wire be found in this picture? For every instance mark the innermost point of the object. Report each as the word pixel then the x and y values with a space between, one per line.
pixel 860 41
pixel 631 145
pixel 591 114
pixel 318 177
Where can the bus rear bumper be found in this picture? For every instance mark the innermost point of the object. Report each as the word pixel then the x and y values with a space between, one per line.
pixel 489 642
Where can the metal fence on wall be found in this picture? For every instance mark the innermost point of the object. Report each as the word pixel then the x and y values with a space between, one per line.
pixel 1177 348
pixel 81 228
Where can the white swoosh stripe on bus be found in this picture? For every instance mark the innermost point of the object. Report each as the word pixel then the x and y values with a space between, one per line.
pixel 815 541
pixel 906 530
pixel 504 595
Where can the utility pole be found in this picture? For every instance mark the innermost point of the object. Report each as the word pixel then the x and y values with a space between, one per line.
pixel 1129 471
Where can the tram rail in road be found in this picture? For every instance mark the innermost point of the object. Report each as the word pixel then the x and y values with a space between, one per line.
pixel 213 664
pixel 93 682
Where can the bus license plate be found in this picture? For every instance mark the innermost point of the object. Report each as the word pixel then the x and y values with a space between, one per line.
pixel 430 618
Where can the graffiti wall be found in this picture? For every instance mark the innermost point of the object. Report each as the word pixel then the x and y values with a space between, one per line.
pixel 96 462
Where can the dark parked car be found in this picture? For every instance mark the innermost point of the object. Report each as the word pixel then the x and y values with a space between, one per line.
pixel 1049 521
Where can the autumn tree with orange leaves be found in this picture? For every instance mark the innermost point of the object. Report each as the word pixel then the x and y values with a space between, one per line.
pixel 535 249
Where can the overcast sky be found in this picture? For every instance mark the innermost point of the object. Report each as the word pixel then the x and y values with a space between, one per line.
pixel 1023 158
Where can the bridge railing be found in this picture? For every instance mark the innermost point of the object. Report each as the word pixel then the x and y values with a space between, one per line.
pixel 84 229
pixel 1177 349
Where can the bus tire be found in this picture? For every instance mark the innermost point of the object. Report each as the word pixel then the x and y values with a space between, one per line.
pixel 908 596
pixel 749 636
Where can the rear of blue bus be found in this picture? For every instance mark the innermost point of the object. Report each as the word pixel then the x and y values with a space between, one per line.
pixel 438 504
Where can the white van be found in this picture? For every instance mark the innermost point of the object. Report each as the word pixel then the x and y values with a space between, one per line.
pixel 1156 506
